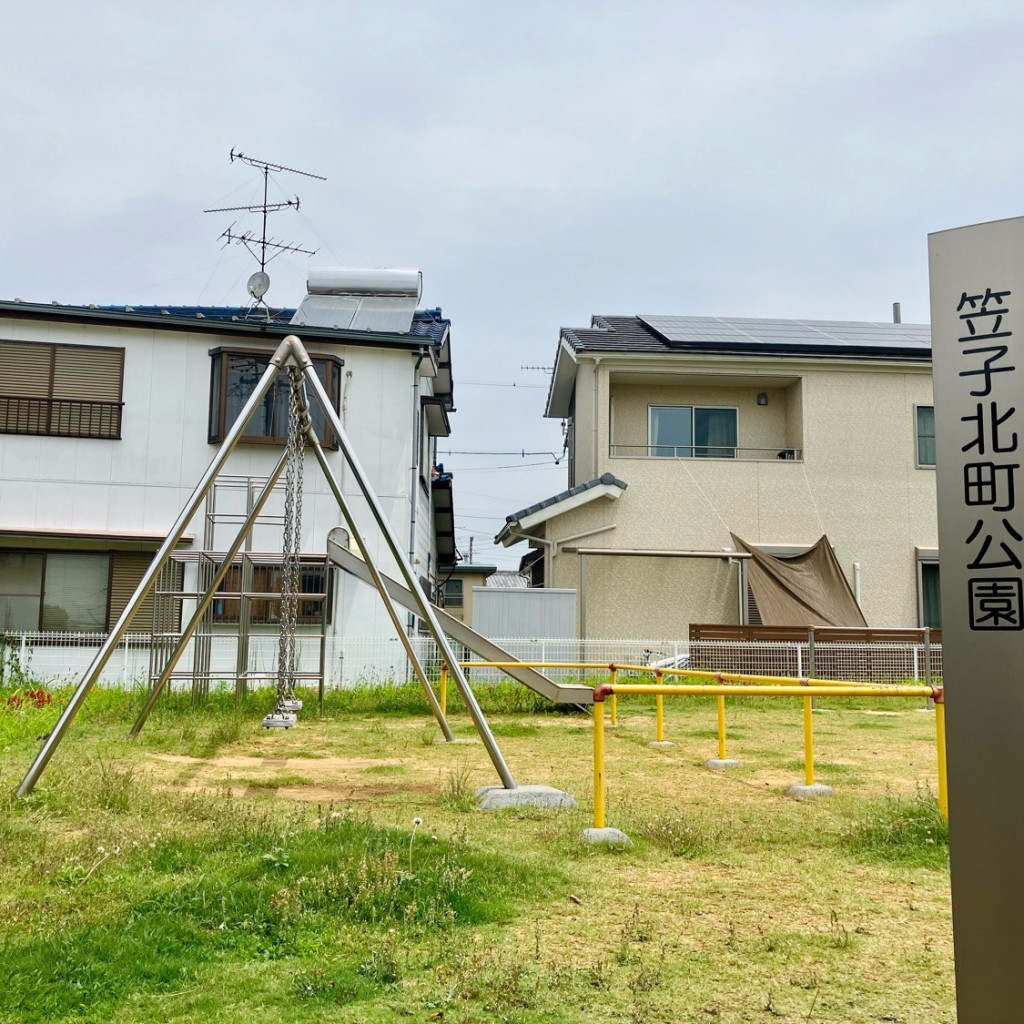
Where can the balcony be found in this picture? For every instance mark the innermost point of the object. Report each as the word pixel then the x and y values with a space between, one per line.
pixel 59 417
pixel 661 451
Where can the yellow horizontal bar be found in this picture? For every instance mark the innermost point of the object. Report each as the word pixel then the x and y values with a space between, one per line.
pixel 600 667
pixel 775 691
pixel 689 673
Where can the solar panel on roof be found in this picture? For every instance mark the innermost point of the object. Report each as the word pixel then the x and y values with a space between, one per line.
pixel 801 333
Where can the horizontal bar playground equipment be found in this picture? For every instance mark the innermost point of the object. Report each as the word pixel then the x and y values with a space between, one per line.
pixel 806 692
pixel 725 684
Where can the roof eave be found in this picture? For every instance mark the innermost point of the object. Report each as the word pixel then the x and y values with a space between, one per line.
pixel 516 530
pixel 563 382
pixel 196 325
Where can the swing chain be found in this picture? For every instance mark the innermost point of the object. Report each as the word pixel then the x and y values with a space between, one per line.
pixel 291 581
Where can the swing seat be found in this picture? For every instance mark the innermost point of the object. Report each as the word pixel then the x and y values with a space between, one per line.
pixel 279 720
pixel 293 704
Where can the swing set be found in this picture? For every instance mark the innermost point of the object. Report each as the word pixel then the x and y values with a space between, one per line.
pixel 293 364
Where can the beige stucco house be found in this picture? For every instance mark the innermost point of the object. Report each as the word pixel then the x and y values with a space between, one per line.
pixel 681 431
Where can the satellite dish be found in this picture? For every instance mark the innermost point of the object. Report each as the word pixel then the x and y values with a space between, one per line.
pixel 258 284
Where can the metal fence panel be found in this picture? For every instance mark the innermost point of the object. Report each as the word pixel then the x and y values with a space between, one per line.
pixel 62 658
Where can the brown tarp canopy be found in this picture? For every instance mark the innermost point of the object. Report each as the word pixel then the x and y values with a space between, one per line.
pixel 805 590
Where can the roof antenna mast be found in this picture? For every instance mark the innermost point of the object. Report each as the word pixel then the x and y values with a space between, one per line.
pixel 259 283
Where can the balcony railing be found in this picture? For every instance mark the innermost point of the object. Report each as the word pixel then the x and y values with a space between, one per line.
pixel 59 417
pixel 704 451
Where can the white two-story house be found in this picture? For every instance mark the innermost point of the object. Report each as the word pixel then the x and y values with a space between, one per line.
pixel 110 415
pixel 682 431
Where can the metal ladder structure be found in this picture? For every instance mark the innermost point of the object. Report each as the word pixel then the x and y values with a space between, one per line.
pixel 290 359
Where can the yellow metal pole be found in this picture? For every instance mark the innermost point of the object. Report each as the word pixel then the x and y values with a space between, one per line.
pixel 940 750
pixel 598 764
pixel 444 689
pixel 659 703
pixel 721 727
pixel 808 741
pixel 612 676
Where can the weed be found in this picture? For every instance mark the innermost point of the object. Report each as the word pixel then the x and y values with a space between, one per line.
pixel 839 937
pixel 635 931
pixel 381 967
pixel 906 830
pixel 689 836
pixel 457 791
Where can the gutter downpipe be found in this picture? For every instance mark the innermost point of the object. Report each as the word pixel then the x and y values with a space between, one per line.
pixel 414 472
pixel 596 389
pixel 856 583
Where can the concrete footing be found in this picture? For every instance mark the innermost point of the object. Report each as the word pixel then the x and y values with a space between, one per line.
pixel 804 792
pixel 606 837
pixel 719 764
pixel 661 743
pixel 494 798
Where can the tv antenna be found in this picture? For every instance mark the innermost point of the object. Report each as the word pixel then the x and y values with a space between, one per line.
pixel 259 283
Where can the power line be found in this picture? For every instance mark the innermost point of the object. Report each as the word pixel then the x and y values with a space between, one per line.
pixel 499 384
pixel 522 453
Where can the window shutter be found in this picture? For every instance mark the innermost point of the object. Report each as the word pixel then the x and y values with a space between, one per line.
pixel 26 371
pixel 129 568
pixel 85 374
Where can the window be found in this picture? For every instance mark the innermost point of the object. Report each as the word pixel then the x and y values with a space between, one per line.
pixel 266 580
pixel 61 390
pixel 931 607
pixel 233 378
pixel 54 590
pixel 925 431
pixel 692 432
pixel 452 594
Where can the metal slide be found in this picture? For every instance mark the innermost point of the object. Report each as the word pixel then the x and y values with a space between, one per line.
pixel 560 693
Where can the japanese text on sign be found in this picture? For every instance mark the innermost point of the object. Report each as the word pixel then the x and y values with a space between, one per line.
pixel 995 599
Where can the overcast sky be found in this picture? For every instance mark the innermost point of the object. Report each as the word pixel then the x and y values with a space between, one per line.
pixel 539 161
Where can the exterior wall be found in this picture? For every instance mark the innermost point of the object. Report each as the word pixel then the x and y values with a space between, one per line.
pixel 138 484
pixel 765 428
pixel 857 482
pixel 515 612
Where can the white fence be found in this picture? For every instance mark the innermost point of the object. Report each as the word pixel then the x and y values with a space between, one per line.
pixel 61 658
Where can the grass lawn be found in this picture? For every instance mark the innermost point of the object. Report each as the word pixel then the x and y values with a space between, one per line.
pixel 212 871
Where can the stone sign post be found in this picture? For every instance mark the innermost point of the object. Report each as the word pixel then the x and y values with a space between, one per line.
pixel 977 320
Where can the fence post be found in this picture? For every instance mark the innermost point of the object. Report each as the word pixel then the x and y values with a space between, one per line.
pixel 940 750
pixel 721 727
pixel 808 741
pixel 599 763
pixel 659 704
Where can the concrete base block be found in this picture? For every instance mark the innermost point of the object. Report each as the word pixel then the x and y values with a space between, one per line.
pixel 494 798
pixel 721 763
pixel 661 744
pixel 605 836
pixel 804 792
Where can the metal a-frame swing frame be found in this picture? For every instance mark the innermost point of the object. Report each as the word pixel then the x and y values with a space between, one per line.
pixel 292 359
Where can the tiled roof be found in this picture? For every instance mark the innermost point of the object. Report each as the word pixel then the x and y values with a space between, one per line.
pixel 507 579
pixel 605 478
